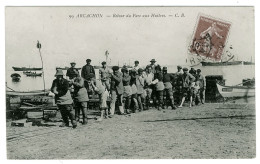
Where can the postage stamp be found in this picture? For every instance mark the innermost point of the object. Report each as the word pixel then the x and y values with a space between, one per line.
pixel 210 37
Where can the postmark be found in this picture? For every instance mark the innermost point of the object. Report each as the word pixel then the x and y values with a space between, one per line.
pixel 209 38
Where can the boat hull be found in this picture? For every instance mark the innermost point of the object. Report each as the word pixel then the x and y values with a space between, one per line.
pixel 236 91
pixel 33 74
pixel 221 63
pixel 29 93
pixel 26 69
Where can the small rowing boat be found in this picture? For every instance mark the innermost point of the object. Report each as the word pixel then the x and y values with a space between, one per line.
pixel 32 74
pixel 28 93
pixel 16 77
pixel 236 91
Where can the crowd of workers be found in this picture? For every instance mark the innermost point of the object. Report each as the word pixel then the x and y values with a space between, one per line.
pixel 126 90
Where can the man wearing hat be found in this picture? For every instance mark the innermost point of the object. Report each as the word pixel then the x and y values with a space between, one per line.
pixel 180 71
pixel 202 85
pixel 187 80
pixel 117 90
pixel 80 98
pixel 153 65
pixel 86 70
pixel 60 87
pixel 167 80
pixel 72 71
pixel 136 66
pixel 105 74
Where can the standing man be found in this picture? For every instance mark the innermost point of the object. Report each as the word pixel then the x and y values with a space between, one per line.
pixel 117 90
pixel 140 89
pixel 202 85
pixel 60 87
pixel 127 89
pixel 153 65
pixel 192 71
pixel 71 71
pixel 136 66
pixel 87 70
pixel 148 78
pixel 167 80
pixel 187 80
pixel 105 73
pixel 99 86
pixel 80 99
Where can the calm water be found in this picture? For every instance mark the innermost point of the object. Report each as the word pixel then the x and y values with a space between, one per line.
pixel 232 74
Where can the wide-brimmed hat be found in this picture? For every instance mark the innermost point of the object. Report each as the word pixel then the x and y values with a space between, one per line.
pixel 72 62
pixel 88 60
pixel 59 72
pixel 104 63
pixel 153 60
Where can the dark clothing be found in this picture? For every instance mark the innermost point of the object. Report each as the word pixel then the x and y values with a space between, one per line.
pixel 81 106
pixel 187 79
pixel 67 113
pixel 86 70
pixel 168 77
pixel 71 72
pixel 62 87
pixel 117 84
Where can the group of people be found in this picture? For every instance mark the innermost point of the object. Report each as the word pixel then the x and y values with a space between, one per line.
pixel 126 90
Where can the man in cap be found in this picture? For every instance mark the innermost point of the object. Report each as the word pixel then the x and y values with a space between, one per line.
pixel 60 87
pixel 153 61
pixel 148 78
pixel 202 85
pixel 136 66
pixel 72 71
pixel 187 81
pixel 117 90
pixel 105 73
pixel 80 98
pixel 167 80
pixel 86 70
pixel 192 71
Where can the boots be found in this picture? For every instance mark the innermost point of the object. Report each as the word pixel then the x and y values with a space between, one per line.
pixel 172 104
pixel 74 124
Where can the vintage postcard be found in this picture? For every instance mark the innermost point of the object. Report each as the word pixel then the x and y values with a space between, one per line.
pixel 130 82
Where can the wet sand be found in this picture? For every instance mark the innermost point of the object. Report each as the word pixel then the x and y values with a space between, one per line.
pixel 206 131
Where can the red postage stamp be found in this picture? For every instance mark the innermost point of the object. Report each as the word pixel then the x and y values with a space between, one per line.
pixel 210 37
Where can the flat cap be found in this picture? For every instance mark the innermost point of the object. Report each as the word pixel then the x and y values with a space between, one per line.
pixel 115 68
pixel 185 69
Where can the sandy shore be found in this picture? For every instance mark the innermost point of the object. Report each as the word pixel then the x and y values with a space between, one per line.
pixel 206 131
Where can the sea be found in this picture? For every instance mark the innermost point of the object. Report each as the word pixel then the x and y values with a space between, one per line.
pixel 233 75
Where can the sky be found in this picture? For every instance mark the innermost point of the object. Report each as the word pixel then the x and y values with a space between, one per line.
pixel 165 39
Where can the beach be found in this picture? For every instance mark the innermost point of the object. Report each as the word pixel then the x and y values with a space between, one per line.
pixel 209 131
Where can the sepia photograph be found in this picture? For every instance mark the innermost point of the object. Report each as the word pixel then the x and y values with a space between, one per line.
pixel 116 82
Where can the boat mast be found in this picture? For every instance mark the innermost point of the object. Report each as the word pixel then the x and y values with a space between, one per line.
pixel 39 46
pixel 106 54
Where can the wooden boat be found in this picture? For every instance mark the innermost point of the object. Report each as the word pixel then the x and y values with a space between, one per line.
pixel 221 63
pixel 32 74
pixel 28 93
pixel 26 69
pixel 16 77
pixel 248 63
pixel 66 68
pixel 236 91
